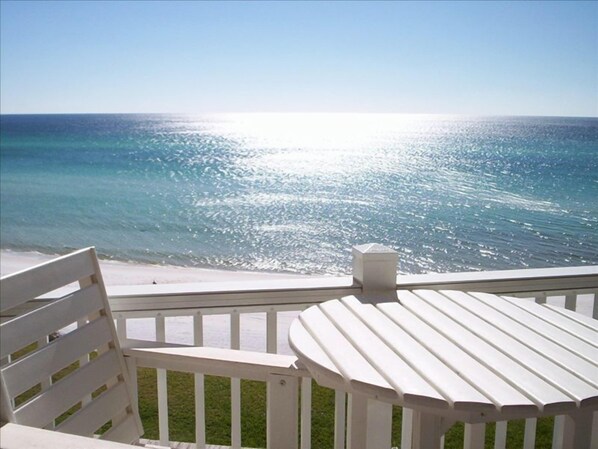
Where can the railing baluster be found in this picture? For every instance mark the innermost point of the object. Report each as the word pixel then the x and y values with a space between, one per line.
pixel 282 412
pixel 306 413
pixel 558 432
pixel 407 429
pixel 474 436
pixel 500 435
pixel 595 307
pixel 529 439
pixel 271 332
pixel 200 402
pixel 571 301
pixel 235 383
pixel 162 387
pixel 340 419
pixel 540 298
pixel 121 329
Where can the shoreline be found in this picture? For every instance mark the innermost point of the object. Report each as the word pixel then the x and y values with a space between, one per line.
pixel 135 273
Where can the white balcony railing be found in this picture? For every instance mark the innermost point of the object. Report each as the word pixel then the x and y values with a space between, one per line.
pixel 194 305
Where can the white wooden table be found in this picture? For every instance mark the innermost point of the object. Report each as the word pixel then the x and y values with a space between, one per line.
pixel 451 356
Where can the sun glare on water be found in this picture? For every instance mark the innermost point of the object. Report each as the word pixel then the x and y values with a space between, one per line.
pixel 318 143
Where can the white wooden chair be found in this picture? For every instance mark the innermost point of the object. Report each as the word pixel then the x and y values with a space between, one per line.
pixel 97 393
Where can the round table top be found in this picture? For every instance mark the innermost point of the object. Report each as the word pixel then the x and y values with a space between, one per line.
pixel 474 356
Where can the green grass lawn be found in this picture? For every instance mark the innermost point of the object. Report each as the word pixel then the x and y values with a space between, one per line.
pixel 253 414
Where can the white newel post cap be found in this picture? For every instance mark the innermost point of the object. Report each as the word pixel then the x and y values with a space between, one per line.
pixel 375 266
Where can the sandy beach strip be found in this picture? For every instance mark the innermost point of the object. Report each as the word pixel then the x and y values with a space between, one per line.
pixel 129 273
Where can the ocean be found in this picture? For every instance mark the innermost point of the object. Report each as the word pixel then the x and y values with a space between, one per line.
pixel 294 192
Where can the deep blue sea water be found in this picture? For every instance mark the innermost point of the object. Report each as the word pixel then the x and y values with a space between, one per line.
pixel 294 192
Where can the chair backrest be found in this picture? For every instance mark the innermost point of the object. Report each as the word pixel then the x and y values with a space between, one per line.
pixel 74 382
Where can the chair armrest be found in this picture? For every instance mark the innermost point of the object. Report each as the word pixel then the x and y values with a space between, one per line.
pixel 218 362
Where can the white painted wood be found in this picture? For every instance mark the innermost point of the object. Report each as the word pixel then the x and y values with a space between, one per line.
pixel 235 395
pixel 14 436
pixel 375 267
pixel 125 430
pixel 559 321
pixel 407 428
pixel 271 332
pixel 474 436
pixel 308 349
pixel 429 377
pixel 27 284
pixel 218 362
pixel 235 383
pixel 558 432
pixel 88 307
pixel 542 393
pixel 200 414
pixel 578 431
pixel 540 298
pixel 97 413
pixel 507 281
pixel 82 361
pixel 340 418
pixel 503 394
pixel 426 431
pixel 45 381
pixel 42 364
pixel 456 305
pixel 571 343
pixel 62 395
pixel 571 301
pixel 306 413
pixel 121 329
pixel 357 419
pixel 592 323
pixel 379 425
pixel 162 386
pixel 133 385
pixel 525 335
pixel 282 419
pixel 218 298
pixel 25 329
pixel 529 437
pixel 348 361
pixel 500 435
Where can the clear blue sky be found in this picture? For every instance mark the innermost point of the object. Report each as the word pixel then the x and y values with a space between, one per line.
pixel 528 58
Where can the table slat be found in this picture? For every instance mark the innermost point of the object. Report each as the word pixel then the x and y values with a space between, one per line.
pixel 456 304
pixel 349 362
pixel 547 397
pixel 503 395
pixel 409 384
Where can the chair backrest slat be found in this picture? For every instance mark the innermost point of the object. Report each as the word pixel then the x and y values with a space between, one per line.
pixel 122 431
pixel 61 396
pixel 78 381
pixel 21 286
pixel 97 412
pixel 40 365
pixel 28 328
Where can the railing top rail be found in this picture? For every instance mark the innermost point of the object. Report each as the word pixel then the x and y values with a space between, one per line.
pixel 235 287
pixel 506 281
pixel 249 294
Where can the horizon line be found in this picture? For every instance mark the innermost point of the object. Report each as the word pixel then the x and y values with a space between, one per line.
pixel 301 113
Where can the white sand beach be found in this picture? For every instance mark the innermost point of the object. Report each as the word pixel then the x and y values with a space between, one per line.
pixel 128 273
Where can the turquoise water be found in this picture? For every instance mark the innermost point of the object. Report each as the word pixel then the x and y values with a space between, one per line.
pixel 294 192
